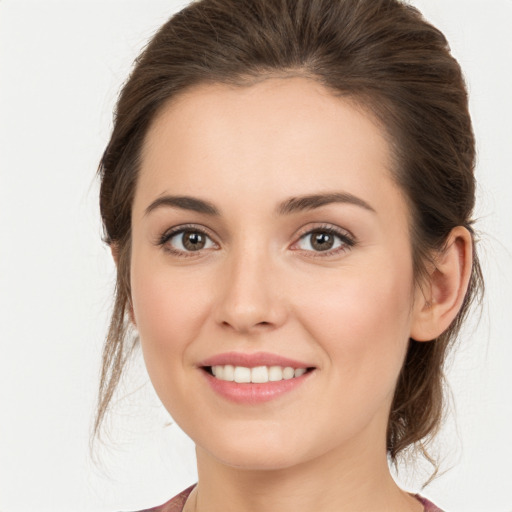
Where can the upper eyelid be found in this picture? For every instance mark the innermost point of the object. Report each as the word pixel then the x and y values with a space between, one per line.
pixel 329 227
pixel 169 233
pixel 346 238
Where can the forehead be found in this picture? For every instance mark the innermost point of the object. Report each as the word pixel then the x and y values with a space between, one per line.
pixel 279 137
pixel 300 106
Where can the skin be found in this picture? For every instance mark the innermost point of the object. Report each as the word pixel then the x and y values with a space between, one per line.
pixel 259 285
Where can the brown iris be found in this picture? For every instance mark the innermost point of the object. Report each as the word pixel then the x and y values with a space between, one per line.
pixel 193 241
pixel 321 241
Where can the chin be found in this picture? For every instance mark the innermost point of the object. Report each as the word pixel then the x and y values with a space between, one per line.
pixel 258 461
pixel 255 455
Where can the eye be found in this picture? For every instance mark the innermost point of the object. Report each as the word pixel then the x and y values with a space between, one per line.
pixel 183 240
pixel 326 240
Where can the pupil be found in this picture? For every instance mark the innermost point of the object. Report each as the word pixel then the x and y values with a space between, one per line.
pixel 323 241
pixel 193 241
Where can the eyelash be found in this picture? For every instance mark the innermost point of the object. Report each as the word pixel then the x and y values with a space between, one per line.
pixel 181 229
pixel 348 241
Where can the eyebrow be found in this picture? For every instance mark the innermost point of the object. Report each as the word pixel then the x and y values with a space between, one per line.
pixel 310 202
pixel 287 207
pixel 185 203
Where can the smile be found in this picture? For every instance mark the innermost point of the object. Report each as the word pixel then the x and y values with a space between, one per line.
pixel 256 375
pixel 252 378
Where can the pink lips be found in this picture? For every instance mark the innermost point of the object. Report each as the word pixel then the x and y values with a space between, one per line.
pixel 251 393
pixel 252 360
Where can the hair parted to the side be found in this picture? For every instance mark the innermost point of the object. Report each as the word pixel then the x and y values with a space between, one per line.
pixel 383 55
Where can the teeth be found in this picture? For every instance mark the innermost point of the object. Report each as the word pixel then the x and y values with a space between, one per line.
pixel 275 373
pixel 242 374
pixel 258 374
pixel 288 373
pixel 229 372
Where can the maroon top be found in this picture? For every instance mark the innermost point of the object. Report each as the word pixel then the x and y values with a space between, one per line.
pixel 177 503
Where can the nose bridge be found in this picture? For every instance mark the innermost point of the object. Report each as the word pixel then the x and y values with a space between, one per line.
pixel 250 297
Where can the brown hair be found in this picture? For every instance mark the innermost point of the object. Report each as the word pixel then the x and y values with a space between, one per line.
pixel 380 53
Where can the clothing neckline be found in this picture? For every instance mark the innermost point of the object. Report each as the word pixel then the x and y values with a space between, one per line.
pixel 177 504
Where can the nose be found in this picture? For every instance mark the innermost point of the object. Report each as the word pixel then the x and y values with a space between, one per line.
pixel 250 299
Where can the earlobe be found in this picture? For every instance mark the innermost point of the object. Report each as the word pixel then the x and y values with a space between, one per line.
pixel 440 298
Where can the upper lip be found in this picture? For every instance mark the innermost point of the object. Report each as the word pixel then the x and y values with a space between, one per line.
pixel 252 360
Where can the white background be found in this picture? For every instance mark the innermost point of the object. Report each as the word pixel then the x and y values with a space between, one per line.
pixel 61 66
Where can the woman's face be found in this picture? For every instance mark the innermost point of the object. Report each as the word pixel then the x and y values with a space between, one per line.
pixel 227 258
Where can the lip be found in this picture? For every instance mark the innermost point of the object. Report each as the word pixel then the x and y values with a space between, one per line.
pixel 253 393
pixel 251 360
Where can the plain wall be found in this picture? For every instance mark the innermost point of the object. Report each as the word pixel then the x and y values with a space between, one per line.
pixel 61 66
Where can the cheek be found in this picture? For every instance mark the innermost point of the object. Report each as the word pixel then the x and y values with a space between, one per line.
pixel 362 319
pixel 169 309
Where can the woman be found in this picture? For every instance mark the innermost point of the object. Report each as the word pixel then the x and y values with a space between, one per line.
pixel 287 194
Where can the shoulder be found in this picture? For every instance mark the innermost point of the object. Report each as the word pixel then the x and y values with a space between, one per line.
pixel 175 504
pixel 427 505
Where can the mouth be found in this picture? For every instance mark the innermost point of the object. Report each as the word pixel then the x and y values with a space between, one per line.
pixel 256 374
pixel 253 378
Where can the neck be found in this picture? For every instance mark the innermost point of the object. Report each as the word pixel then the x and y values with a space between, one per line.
pixel 339 480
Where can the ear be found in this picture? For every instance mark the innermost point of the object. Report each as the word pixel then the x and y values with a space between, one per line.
pixel 439 299
pixel 114 249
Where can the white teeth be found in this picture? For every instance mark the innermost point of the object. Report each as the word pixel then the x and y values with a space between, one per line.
pixel 229 372
pixel 288 373
pixel 258 374
pixel 275 373
pixel 242 374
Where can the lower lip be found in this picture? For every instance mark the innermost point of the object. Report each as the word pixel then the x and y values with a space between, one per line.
pixel 250 393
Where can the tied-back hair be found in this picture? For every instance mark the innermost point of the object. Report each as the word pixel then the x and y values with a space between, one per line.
pixel 380 54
